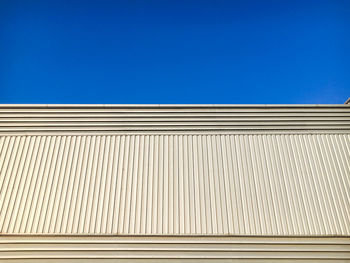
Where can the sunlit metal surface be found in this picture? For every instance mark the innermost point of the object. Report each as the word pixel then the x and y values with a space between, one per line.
pixel 181 183
pixel 182 249
pixel 176 184
pixel 104 118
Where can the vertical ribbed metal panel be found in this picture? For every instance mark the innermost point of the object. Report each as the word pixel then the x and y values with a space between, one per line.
pixel 287 184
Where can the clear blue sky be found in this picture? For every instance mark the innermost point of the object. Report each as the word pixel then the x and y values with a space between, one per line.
pixel 174 51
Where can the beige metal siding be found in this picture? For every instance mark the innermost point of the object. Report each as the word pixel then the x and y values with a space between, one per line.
pixel 99 118
pixel 183 249
pixel 284 184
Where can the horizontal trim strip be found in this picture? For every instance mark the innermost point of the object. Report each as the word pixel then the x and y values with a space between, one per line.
pixel 172 118
pixel 181 247
pixel 166 239
pixel 183 111
pixel 173 105
pixel 170 133
pixel 157 115
pixel 178 128
pixel 226 123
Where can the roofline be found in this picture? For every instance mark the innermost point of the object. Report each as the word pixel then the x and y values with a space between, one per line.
pixel 347 105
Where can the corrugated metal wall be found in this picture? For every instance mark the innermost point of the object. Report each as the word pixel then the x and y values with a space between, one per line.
pixel 176 184
pixel 184 183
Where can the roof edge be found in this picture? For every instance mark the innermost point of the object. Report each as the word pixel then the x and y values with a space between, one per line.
pixel 94 106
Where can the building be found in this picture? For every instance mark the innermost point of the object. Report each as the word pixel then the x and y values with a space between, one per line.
pixel 177 183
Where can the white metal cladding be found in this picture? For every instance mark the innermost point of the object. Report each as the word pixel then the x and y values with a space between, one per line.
pixel 179 248
pixel 69 118
pixel 287 184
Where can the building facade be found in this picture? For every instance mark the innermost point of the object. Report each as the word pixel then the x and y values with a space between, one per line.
pixel 184 183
